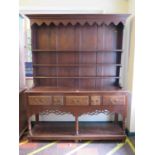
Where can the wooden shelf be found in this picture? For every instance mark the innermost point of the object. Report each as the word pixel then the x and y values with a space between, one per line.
pixel 76 65
pixel 75 77
pixel 51 50
pixel 66 131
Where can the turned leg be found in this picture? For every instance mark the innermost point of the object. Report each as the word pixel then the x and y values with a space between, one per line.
pixel 123 127
pixel 76 125
pixel 29 126
pixel 123 123
pixel 37 118
pixel 116 118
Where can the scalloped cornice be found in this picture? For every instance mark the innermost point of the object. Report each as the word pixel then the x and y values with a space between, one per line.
pixel 73 19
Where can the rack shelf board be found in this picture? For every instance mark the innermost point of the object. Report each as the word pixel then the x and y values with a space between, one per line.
pixel 66 131
pixel 97 50
pixel 75 77
pixel 77 65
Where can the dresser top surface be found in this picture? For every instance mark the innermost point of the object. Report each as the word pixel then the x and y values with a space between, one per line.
pixel 42 89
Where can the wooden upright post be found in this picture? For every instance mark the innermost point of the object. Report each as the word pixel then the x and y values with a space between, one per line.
pixel 76 125
pixel 37 118
pixel 116 118
pixel 123 123
pixel 29 126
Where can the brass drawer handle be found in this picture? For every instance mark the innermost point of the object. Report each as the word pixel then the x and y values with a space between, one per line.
pixel 73 101
pixel 114 101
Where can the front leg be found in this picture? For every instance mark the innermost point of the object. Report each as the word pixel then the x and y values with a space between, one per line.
pixel 29 126
pixel 37 118
pixel 116 118
pixel 123 123
pixel 76 125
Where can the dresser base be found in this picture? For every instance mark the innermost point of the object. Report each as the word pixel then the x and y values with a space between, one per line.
pixel 87 131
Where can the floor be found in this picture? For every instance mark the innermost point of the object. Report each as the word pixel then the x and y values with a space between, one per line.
pixel 71 148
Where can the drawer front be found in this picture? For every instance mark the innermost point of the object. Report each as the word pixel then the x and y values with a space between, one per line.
pixel 40 100
pixel 57 100
pixel 114 99
pixel 77 100
pixel 95 100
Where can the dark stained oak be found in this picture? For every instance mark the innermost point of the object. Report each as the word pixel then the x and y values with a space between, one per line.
pixel 76 70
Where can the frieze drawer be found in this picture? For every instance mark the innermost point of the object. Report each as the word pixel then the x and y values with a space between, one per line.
pixel 95 100
pixel 114 99
pixel 57 100
pixel 40 100
pixel 77 100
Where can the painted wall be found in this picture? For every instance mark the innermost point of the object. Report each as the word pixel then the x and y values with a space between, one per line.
pixel 91 6
pixel 59 6
pixel 131 63
pixel 22 84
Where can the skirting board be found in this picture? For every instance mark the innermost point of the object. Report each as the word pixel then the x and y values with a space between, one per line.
pixel 129 134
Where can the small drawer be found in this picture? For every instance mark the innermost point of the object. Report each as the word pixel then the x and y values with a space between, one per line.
pixel 114 99
pixel 95 100
pixel 40 100
pixel 77 100
pixel 57 100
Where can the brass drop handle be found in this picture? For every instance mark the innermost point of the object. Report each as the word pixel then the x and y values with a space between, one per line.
pixel 114 101
pixel 55 100
pixel 39 100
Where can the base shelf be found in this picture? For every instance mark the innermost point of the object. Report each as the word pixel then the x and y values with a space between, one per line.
pixel 87 131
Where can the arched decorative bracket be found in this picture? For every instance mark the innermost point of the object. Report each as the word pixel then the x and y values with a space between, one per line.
pixel 62 112
pixel 96 112
pixel 55 111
